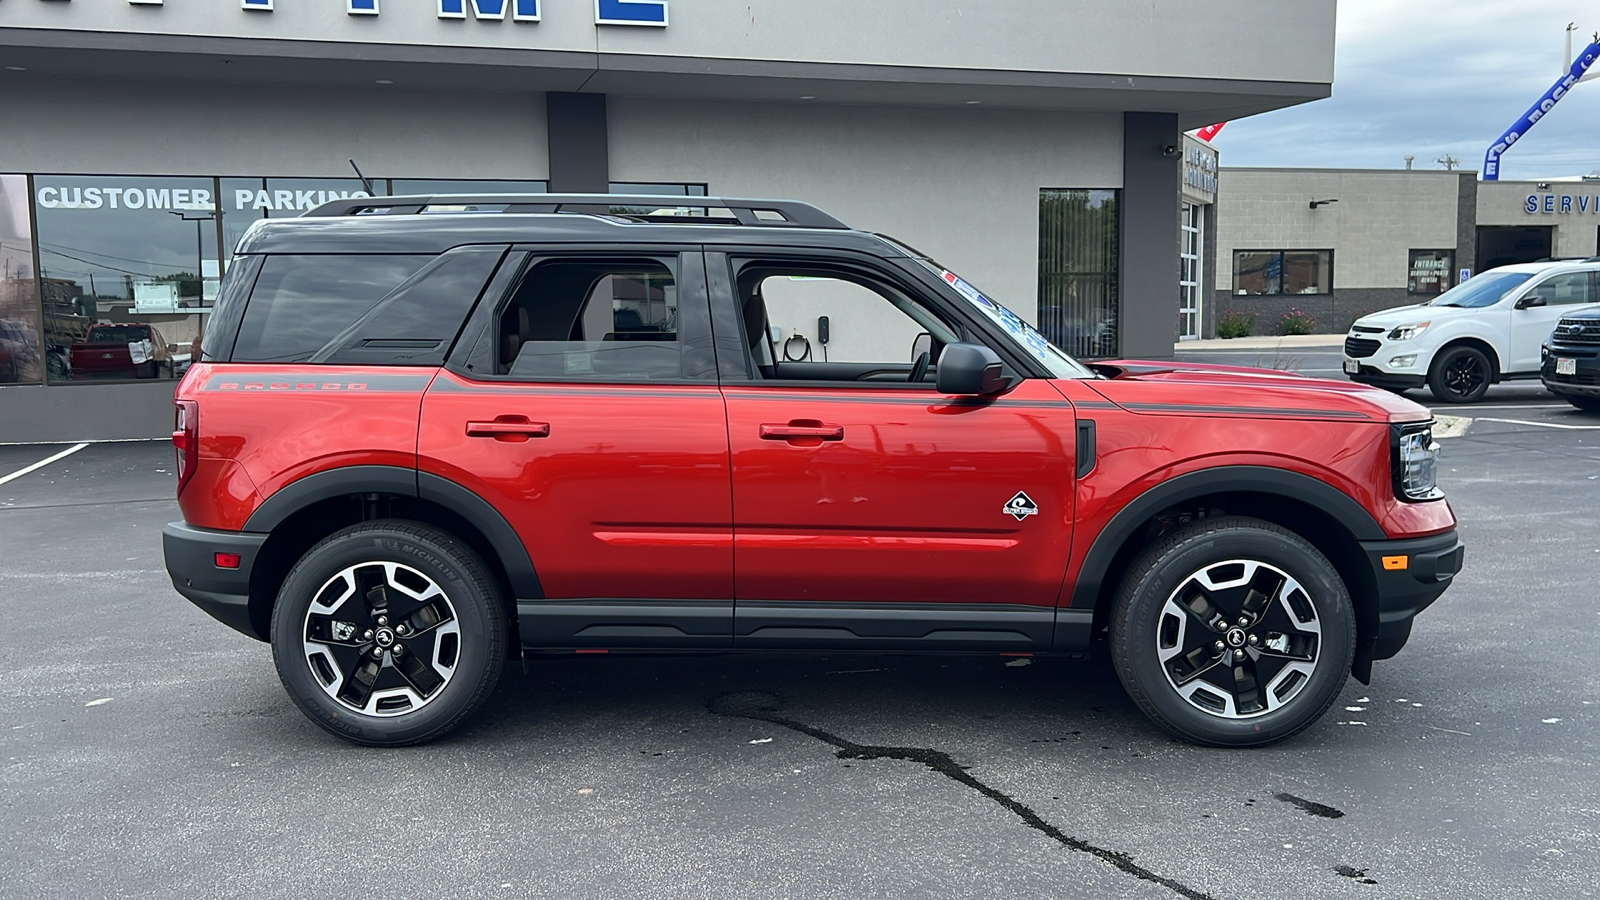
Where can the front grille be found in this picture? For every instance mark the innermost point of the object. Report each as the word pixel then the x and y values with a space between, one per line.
pixel 1577 331
pixel 1367 329
pixel 1360 348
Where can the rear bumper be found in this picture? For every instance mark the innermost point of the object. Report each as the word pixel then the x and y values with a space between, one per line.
pixel 223 593
pixel 1410 575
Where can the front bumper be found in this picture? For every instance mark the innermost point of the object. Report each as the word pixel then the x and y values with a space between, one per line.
pixel 1372 355
pixel 1585 382
pixel 1410 573
pixel 223 593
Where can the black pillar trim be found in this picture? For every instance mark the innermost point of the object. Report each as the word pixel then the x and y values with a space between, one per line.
pixel 1152 156
pixel 580 161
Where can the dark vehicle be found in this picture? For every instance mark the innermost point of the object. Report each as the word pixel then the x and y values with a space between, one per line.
pixel 122 350
pixel 421 441
pixel 1571 367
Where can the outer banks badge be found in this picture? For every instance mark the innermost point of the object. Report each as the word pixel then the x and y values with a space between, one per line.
pixel 1021 506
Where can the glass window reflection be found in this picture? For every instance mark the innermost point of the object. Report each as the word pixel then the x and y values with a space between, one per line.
pixel 22 359
pixel 128 268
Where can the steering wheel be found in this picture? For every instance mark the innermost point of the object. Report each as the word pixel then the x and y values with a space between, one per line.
pixel 919 369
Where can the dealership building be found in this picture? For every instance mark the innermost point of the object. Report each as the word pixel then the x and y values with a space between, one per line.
pixel 1033 147
pixel 1336 244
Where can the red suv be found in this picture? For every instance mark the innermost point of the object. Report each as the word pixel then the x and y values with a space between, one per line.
pixel 430 433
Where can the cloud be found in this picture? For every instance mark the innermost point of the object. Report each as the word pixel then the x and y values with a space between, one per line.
pixel 1429 78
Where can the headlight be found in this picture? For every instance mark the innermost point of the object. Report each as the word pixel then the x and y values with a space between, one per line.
pixel 1407 332
pixel 1414 458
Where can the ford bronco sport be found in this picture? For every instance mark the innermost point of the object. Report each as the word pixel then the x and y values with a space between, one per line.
pixel 428 434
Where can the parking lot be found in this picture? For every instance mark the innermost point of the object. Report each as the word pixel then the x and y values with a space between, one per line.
pixel 150 751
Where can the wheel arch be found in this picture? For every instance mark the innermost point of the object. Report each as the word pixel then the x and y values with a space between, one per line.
pixel 305 511
pixel 1329 519
pixel 1496 358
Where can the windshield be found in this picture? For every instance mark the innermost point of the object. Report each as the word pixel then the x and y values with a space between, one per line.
pixel 1485 290
pixel 1052 357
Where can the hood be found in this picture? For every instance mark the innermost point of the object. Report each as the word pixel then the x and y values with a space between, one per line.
pixel 1407 315
pixel 1173 388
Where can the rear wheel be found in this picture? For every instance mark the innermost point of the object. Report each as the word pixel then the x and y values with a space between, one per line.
pixel 1233 632
pixel 389 633
pixel 1460 375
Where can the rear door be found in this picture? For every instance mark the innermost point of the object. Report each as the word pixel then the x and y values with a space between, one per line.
pixel 586 412
pixel 869 509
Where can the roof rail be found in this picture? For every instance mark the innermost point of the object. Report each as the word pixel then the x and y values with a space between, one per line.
pixel 758 213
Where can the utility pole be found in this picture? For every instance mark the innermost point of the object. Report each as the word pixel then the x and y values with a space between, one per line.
pixel 1449 162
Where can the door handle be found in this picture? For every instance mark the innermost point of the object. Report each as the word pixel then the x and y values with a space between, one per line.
pixel 509 428
pixel 802 430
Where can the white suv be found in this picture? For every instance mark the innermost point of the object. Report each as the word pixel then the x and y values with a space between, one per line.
pixel 1487 329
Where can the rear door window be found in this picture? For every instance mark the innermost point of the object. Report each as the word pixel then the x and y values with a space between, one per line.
pixel 301 302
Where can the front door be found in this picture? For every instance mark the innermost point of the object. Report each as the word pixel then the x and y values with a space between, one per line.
pixel 587 414
pixel 1531 327
pixel 869 509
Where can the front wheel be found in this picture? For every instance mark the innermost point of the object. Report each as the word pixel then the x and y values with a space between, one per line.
pixel 389 633
pixel 1233 632
pixel 1460 375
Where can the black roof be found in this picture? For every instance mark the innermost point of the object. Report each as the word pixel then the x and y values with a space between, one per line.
pixel 435 223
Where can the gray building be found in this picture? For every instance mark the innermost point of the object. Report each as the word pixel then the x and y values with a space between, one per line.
pixel 1336 244
pixel 1036 148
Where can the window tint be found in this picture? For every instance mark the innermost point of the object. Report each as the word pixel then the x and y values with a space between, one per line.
pixel 593 320
pixel 301 302
pixel 1563 290
pixel 415 325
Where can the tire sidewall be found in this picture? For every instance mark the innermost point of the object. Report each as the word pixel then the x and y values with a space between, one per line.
pixel 449 565
pixel 1153 583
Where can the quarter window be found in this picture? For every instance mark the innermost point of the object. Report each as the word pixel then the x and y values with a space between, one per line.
pixel 1267 272
pixel 301 302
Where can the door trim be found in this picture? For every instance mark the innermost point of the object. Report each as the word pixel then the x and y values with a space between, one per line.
pixel 806 625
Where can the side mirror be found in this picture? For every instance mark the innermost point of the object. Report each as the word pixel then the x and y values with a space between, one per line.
pixel 970 369
pixel 1532 300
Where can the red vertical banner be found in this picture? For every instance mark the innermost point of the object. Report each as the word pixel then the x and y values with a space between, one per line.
pixel 1209 132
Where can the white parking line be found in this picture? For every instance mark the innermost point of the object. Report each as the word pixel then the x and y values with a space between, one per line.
pixel 1542 424
pixel 43 462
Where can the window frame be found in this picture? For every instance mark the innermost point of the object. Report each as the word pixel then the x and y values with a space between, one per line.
pixel 1282 267
pixel 1592 287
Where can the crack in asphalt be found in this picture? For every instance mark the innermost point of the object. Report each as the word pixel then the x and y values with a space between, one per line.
pixel 764 708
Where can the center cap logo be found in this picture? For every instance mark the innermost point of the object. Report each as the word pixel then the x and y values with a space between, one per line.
pixel 384 637
pixel 1021 506
pixel 1235 638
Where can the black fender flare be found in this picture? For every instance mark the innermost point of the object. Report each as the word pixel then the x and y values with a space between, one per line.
pixel 1243 479
pixel 354 480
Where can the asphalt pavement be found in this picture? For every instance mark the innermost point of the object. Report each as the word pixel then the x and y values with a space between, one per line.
pixel 146 750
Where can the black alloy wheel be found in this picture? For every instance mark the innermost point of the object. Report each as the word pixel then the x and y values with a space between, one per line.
pixel 1460 375
pixel 1233 632
pixel 389 633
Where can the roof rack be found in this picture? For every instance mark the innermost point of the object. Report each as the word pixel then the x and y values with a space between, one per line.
pixel 641 207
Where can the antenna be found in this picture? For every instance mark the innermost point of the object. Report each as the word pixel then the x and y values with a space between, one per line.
pixel 366 183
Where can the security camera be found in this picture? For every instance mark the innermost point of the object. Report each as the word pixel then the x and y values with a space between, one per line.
pixel 1169 150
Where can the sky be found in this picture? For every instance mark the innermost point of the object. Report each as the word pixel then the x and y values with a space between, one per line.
pixel 1427 78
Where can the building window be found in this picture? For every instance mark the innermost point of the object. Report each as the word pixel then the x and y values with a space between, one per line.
pixel 1265 272
pixel 128 268
pixel 1431 271
pixel 243 201
pixel 22 354
pixel 1189 277
pixel 1078 246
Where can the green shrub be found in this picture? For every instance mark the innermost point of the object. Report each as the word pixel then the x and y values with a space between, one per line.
pixel 1296 322
pixel 1236 325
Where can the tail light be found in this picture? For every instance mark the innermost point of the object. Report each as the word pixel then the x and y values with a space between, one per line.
pixel 186 439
